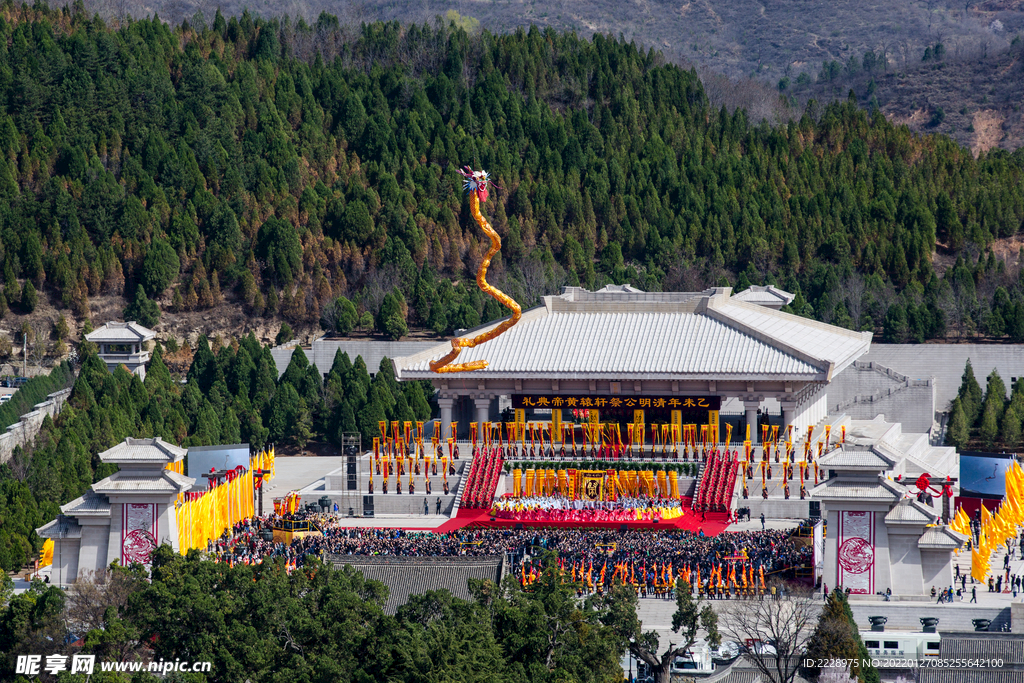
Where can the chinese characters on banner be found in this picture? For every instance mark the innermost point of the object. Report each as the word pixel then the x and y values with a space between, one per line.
pixel 592 485
pixel 522 401
pixel 138 532
pixel 857 552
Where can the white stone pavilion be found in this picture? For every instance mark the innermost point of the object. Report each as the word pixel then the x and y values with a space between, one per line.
pixel 123 343
pixel 123 517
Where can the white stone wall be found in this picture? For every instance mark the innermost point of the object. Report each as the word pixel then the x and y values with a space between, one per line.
pixel 92 555
pixel 168 526
pixel 936 569
pixel 65 561
pixel 883 562
pixel 23 432
pixel 905 559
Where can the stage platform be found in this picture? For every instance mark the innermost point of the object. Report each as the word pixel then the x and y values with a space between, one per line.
pixel 327 477
pixel 712 524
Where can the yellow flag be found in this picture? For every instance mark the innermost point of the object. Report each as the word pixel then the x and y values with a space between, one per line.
pixel 1013 499
pixel 979 566
pixel 963 522
pixel 46 554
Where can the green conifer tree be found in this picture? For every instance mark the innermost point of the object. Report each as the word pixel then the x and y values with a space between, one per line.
pixel 970 394
pixel 1009 428
pixel 989 424
pixel 959 433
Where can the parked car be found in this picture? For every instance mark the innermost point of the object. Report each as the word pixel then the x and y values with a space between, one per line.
pixel 727 651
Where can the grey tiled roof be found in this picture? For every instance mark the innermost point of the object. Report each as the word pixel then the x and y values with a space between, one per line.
pixel 909 511
pixel 56 529
pixel 90 504
pixel 976 675
pixel 881 490
pixel 167 482
pixel 121 333
pixel 941 538
pixel 855 459
pixel 1005 646
pixel 664 335
pixel 739 676
pixel 143 451
pixel 406 576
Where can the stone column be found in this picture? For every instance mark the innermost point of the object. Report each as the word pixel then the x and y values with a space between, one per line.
pixel 788 408
pixel 751 415
pixel 483 409
pixel 446 404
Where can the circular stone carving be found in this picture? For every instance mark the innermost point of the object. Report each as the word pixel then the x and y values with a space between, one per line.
pixel 138 546
pixel 856 555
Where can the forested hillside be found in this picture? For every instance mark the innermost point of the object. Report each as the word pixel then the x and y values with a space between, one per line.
pixel 283 165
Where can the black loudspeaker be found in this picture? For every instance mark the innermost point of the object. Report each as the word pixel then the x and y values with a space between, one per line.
pixel 519 527
pixel 622 528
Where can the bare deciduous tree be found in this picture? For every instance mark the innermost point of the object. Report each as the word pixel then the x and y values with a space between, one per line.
pixel 785 623
pixel 98 596
pixel 853 297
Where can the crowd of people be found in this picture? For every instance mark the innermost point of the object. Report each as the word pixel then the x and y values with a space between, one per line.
pixel 771 550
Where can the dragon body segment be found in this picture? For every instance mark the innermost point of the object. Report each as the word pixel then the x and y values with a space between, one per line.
pixel 476 184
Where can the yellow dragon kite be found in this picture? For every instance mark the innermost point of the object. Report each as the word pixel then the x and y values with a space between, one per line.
pixel 476 184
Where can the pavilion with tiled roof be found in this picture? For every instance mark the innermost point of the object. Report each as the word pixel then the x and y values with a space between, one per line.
pixel 879 536
pixel 123 343
pixel 123 517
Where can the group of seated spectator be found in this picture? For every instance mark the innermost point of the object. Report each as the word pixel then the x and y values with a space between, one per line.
pixel 770 549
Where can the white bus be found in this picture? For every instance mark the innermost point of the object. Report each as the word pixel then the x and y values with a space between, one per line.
pixel 909 645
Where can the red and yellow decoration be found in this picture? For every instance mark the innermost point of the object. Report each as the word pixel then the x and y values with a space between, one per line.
pixel 476 184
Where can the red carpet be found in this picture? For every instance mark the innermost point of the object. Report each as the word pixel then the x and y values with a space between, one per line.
pixel 714 524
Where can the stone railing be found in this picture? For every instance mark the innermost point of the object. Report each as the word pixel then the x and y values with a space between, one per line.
pixel 133 358
pixel 903 383
pixel 24 431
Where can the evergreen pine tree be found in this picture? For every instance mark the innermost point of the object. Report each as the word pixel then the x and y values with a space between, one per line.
pixel 141 309
pixel 204 366
pixel 284 335
pixel 361 375
pixel 264 381
pixel 989 424
pixel 283 411
pixel 296 370
pixel 417 401
pixel 959 433
pixel 348 418
pixel 402 412
pixel 231 431
pixel 1009 429
pixel 302 425
pixel 158 378
pixel 30 299
pixel 240 372
pixel 970 394
pixel 995 392
pixel 390 320
pixel 371 414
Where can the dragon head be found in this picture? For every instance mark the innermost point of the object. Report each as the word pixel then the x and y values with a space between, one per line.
pixel 476 181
